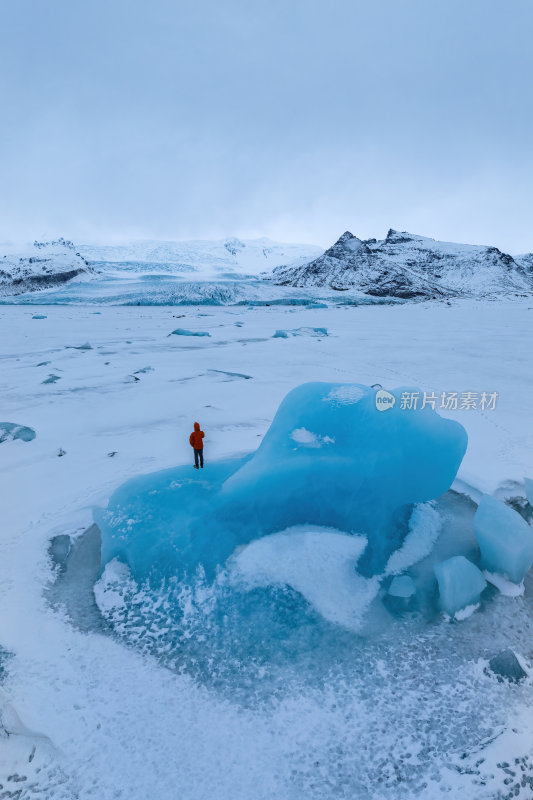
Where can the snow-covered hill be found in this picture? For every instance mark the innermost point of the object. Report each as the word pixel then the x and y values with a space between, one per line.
pixel 206 257
pixel 409 266
pixel 39 266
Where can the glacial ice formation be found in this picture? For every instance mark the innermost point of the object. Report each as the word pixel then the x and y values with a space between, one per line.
pixel 460 584
pixel 505 539
pixel 329 459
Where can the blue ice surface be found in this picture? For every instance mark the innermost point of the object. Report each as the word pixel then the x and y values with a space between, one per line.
pixel 460 584
pixel 185 332
pixel 329 458
pixel 505 539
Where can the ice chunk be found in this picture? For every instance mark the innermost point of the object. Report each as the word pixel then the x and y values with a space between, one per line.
pixel 506 665
pixel 460 584
pixel 185 332
pixel 401 594
pixel 39 316
pixel 284 334
pixel 10 430
pixel 505 539
pixel 85 346
pixel 402 586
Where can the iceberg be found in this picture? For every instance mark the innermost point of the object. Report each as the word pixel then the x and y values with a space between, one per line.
pixel 460 584
pixel 330 459
pixel 185 332
pixel 10 431
pixel 505 539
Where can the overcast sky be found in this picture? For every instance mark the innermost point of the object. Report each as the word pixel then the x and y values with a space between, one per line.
pixel 293 119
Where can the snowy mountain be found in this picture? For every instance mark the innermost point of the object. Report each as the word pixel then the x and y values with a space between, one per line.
pixel 407 266
pixel 40 266
pixel 525 261
pixel 250 256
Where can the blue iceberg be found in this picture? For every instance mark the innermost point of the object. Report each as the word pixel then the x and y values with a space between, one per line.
pixel 505 539
pixel 460 584
pixel 329 459
pixel 185 332
pixel 10 431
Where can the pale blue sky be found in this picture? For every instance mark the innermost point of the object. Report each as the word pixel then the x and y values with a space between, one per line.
pixel 294 119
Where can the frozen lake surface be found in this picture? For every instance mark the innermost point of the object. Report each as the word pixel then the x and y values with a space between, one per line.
pixel 110 694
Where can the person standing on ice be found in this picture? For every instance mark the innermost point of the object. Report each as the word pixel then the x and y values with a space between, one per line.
pixel 196 440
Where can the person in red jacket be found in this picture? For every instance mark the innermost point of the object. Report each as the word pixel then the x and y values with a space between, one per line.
pixel 196 440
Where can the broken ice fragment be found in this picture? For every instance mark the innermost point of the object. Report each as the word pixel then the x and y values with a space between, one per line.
pixel 460 584
pixel 284 334
pixel 402 586
pixel 184 332
pixel 85 346
pixel 10 430
pixel 505 539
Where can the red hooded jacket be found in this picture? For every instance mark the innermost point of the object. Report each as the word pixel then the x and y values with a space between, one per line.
pixel 196 437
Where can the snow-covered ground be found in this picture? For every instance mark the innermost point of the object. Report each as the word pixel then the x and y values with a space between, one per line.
pixel 91 717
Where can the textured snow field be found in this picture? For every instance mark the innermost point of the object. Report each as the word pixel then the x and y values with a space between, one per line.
pixel 93 718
